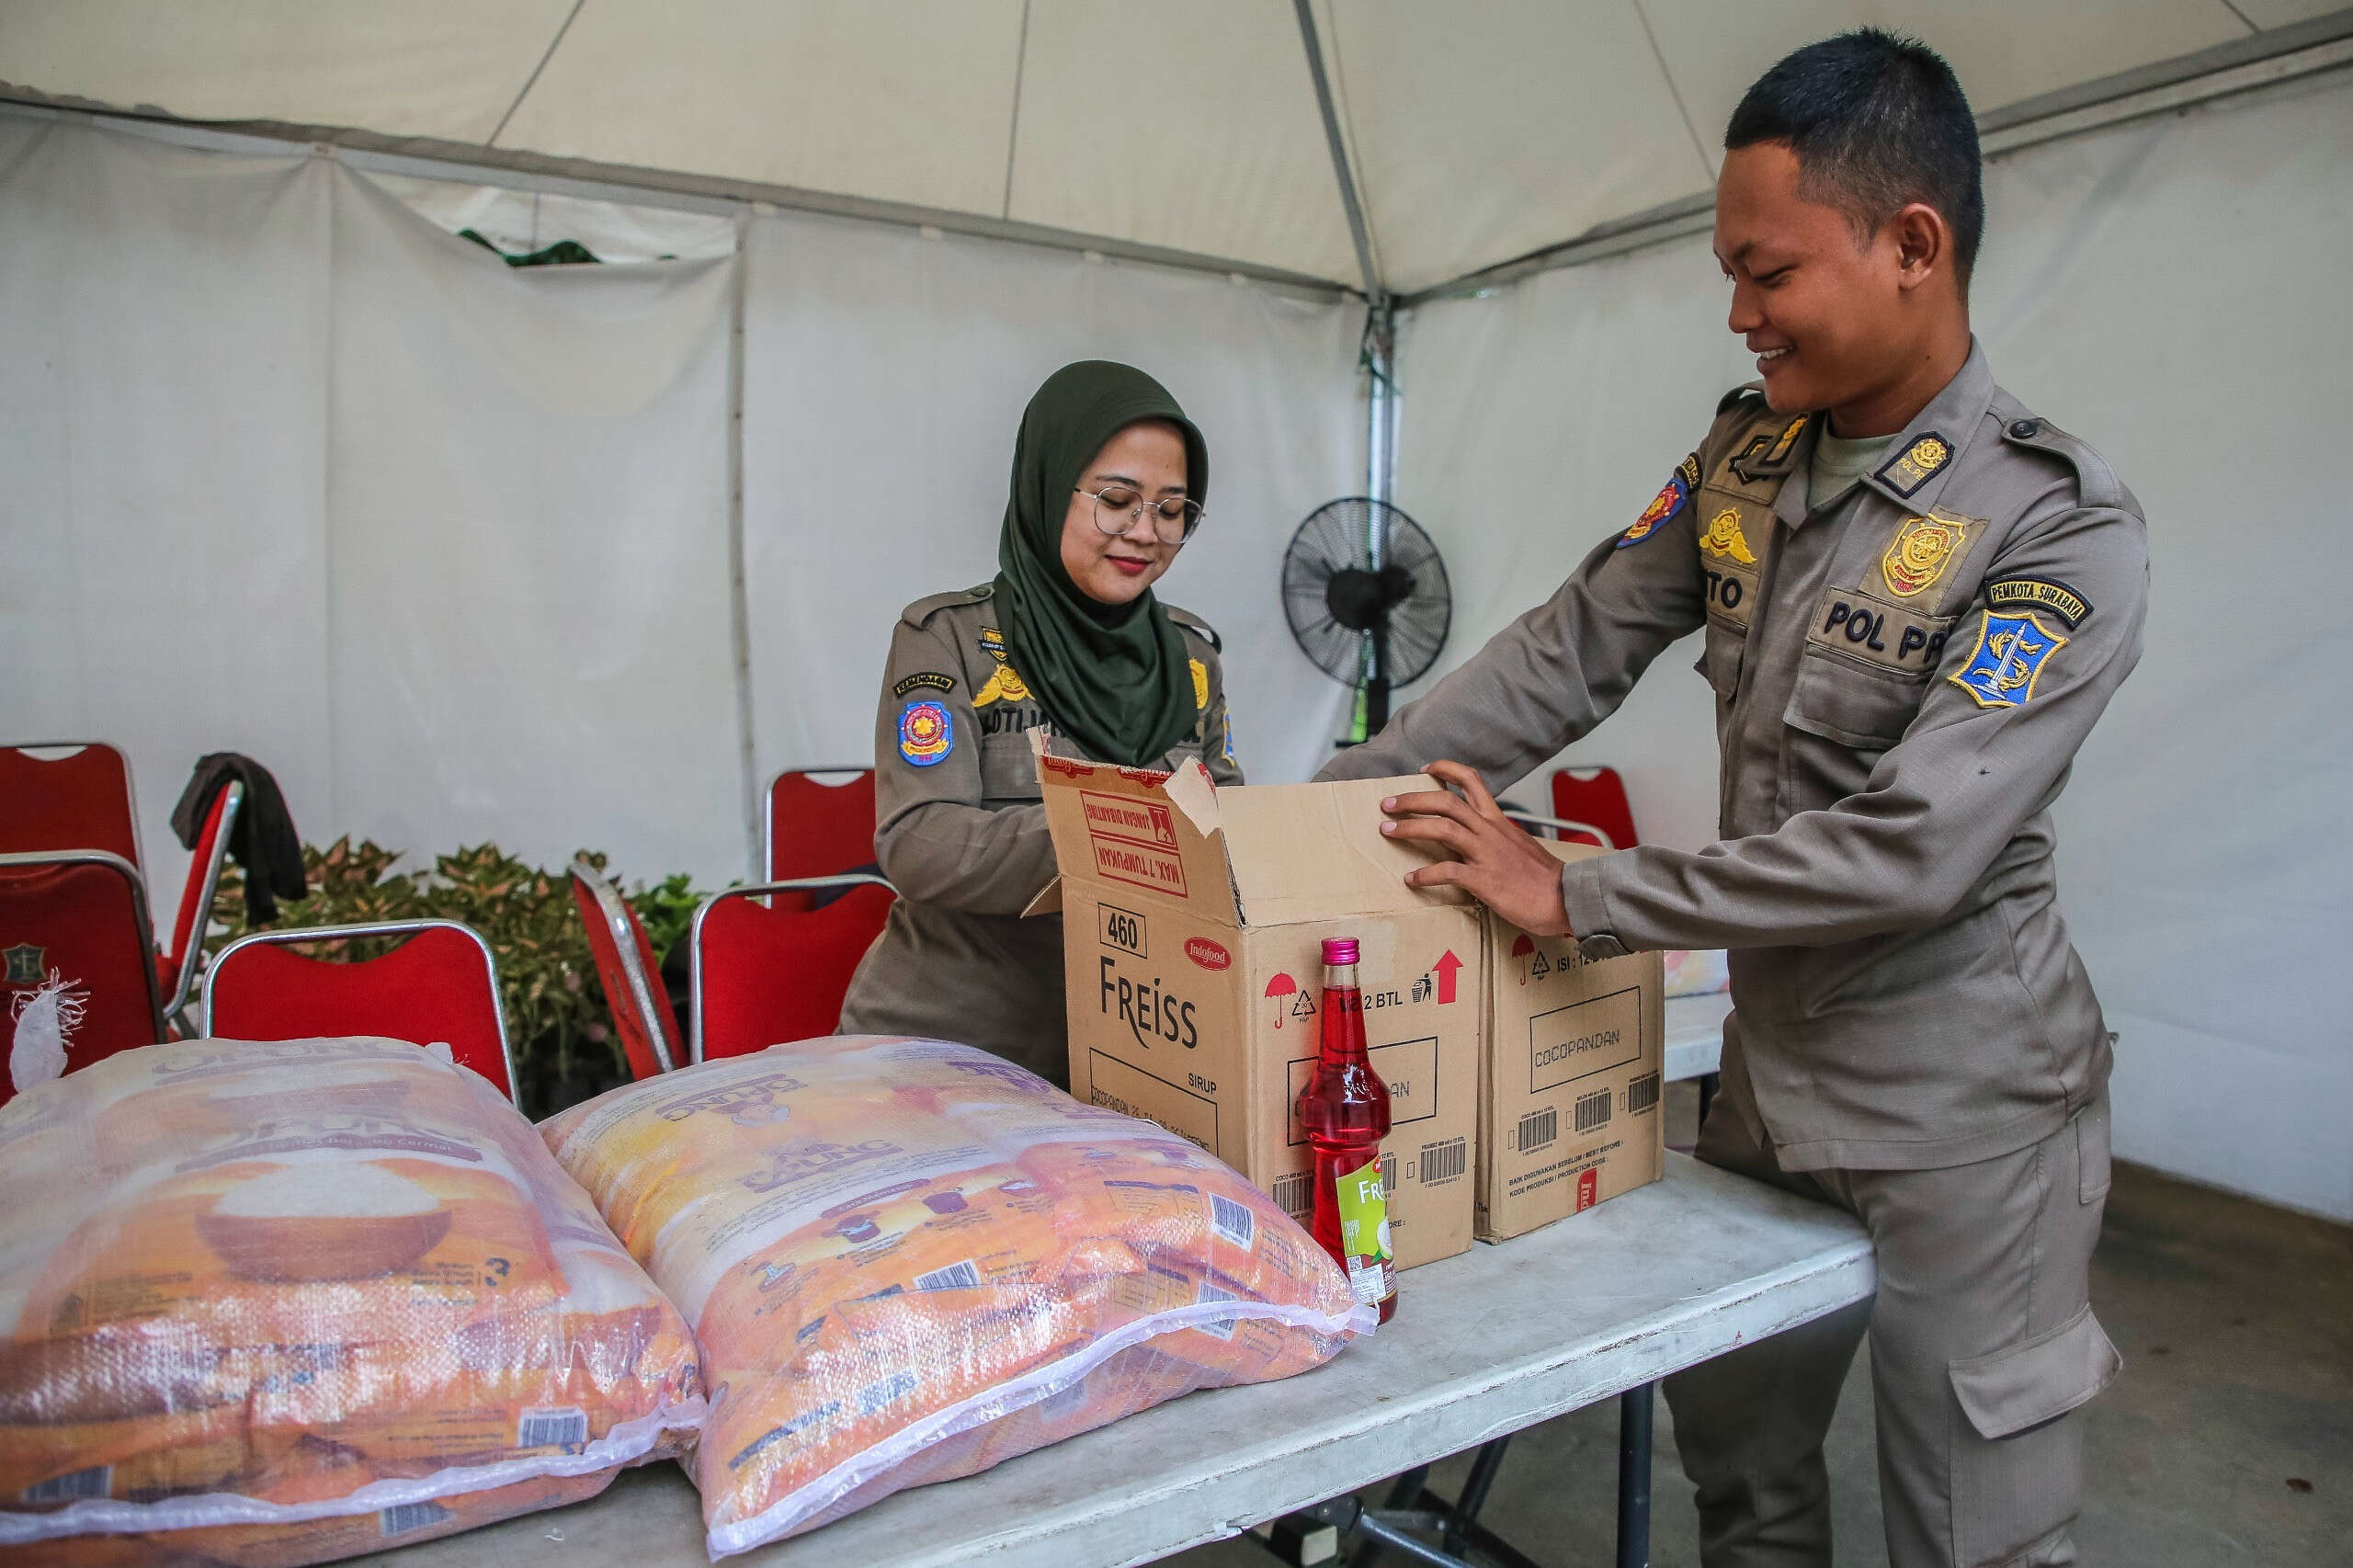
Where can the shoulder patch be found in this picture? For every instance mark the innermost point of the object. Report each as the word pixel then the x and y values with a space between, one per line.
pixel 927 733
pixel 1672 497
pixel 2015 593
pixel 2008 659
pixel 1194 624
pixel 925 679
pixel 924 609
pixel 1915 464
pixel 2096 483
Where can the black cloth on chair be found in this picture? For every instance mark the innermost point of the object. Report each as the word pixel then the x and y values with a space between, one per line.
pixel 262 839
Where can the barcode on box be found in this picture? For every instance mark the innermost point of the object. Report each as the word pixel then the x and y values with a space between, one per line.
pixel 1222 1327
pixel 403 1517
pixel 963 1276
pixel 1593 1109
pixel 1389 1175
pixel 73 1487
pixel 1444 1162
pixel 1292 1195
pixel 1642 1094
pixel 1539 1128
pixel 1233 1221
pixel 566 1427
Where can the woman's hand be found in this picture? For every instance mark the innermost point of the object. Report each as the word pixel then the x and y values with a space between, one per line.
pixel 1496 860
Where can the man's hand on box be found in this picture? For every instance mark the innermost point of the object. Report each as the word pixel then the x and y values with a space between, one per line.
pixel 1495 859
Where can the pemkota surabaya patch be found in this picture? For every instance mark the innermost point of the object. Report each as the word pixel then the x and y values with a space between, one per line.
pixel 2011 651
pixel 2013 594
pixel 927 733
pixel 925 680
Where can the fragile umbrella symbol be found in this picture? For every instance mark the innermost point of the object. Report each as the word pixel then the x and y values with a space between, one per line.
pixel 1281 986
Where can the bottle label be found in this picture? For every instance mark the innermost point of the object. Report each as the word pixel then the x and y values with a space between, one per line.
pixel 1364 1234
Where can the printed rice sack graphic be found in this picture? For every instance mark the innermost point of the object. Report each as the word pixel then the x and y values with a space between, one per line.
pixel 907 1260
pixel 274 1303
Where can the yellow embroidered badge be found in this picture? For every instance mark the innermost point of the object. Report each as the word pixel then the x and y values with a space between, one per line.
pixel 1918 554
pixel 1723 537
pixel 1003 687
pixel 1200 685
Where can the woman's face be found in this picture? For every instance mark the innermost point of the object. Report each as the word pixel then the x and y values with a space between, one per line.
pixel 1146 459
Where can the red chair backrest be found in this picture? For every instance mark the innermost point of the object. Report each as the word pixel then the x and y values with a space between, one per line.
pixel 817 829
pixel 78 801
pixel 1595 795
pixel 203 877
pixel 437 985
pixel 86 919
pixel 638 1031
pixel 774 975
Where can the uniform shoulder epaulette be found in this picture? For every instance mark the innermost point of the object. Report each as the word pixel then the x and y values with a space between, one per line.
pixel 2096 483
pixel 924 609
pixel 1739 395
pixel 1195 624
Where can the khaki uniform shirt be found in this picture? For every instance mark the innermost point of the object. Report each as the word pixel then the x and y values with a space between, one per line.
pixel 960 833
pixel 1901 679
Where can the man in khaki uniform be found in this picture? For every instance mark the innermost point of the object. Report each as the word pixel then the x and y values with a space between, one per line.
pixel 961 835
pixel 1917 596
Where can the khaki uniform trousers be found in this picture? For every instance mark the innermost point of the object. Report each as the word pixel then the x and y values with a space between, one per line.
pixel 1982 1342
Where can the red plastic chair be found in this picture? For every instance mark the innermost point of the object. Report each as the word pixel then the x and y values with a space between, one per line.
pixel 80 801
pixel 442 985
pixel 633 977
pixel 175 967
pixel 82 914
pixel 762 976
pixel 817 829
pixel 1596 796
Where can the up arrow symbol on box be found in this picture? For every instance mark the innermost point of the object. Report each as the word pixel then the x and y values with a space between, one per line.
pixel 1446 968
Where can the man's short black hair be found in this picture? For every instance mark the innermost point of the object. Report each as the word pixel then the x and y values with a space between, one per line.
pixel 1877 121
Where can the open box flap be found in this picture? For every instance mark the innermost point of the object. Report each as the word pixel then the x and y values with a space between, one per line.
pixel 1316 852
pixel 1126 833
pixel 1048 902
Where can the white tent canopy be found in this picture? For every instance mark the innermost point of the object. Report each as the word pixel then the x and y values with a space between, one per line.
pixel 1477 134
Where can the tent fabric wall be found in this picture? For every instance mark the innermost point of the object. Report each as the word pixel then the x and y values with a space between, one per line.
pixel 163 459
pixel 886 373
pixel 527 529
pixel 2172 291
pixel 295 472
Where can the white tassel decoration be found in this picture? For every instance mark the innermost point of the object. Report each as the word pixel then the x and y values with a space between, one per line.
pixel 46 1019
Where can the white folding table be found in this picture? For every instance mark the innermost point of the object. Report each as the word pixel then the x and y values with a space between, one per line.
pixel 1485 1345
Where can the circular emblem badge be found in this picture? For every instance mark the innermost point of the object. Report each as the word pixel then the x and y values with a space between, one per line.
pixel 1663 505
pixel 1916 556
pixel 926 733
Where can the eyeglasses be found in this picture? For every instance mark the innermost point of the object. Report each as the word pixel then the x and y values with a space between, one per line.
pixel 1117 507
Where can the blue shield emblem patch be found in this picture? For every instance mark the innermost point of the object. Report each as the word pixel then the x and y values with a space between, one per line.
pixel 2010 653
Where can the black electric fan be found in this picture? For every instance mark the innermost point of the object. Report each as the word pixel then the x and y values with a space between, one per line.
pixel 1367 598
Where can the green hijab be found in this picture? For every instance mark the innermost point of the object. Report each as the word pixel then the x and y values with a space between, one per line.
pixel 1116 678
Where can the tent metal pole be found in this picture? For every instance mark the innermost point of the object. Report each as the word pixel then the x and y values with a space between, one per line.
pixel 739 604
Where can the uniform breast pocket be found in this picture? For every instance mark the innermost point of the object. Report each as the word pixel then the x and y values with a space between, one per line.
pixel 1719 659
pixel 1009 768
pixel 1842 717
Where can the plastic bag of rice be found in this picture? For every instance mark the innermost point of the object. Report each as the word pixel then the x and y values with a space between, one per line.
pixel 273 1303
pixel 907 1260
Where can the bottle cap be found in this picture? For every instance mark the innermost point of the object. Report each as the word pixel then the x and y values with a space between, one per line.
pixel 1339 949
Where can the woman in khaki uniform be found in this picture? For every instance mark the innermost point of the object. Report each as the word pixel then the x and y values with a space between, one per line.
pixel 1108 478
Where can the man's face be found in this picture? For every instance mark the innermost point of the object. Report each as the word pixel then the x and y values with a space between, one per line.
pixel 1823 317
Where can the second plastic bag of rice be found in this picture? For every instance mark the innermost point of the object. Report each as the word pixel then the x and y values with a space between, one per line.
pixel 907 1260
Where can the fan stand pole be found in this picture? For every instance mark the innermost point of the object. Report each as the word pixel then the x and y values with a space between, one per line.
pixel 1376 691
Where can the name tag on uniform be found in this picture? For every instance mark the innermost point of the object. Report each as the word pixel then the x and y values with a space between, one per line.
pixel 1878 631
pixel 1729 566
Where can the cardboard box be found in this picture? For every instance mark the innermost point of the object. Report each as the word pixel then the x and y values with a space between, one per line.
pixel 1570 1076
pixel 1192 922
